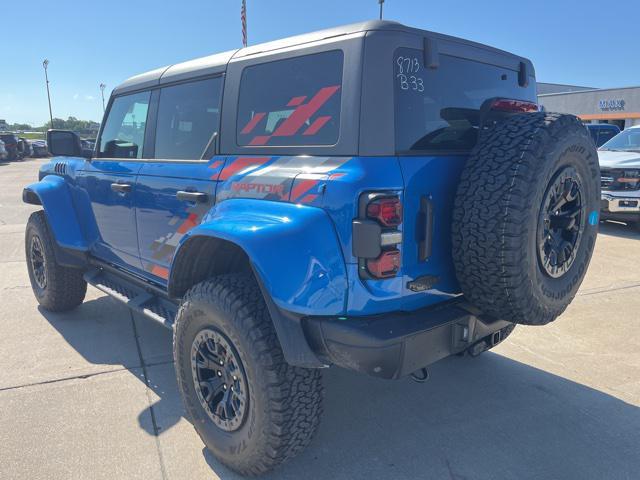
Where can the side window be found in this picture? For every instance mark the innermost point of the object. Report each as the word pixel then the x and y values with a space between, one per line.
pixel 605 135
pixel 188 119
pixel 291 102
pixel 123 133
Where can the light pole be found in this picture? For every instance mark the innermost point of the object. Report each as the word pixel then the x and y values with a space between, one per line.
pixel 381 2
pixel 45 64
pixel 102 87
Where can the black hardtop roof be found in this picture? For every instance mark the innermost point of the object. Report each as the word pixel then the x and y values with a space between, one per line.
pixel 217 63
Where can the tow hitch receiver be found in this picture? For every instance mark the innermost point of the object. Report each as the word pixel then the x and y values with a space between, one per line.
pixel 485 344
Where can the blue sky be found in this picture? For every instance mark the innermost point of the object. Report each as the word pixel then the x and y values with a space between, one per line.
pixel 570 41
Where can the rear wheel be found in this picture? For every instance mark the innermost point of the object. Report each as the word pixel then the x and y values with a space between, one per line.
pixel 525 217
pixel 252 410
pixel 57 288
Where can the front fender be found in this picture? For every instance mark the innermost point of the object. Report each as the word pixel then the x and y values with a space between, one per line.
pixel 52 192
pixel 293 248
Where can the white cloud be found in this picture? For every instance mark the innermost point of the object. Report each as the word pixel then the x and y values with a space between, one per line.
pixel 89 98
pixel 76 96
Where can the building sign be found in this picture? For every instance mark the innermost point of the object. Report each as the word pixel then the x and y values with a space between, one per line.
pixel 611 105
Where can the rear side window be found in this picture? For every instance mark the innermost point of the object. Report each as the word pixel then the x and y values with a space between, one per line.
pixel 439 109
pixel 123 133
pixel 291 102
pixel 188 119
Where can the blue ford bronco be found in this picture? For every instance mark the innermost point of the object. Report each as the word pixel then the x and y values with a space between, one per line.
pixel 374 197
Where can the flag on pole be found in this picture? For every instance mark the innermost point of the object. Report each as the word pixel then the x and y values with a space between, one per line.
pixel 243 18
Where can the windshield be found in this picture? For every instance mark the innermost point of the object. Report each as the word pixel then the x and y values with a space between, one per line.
pixel 627 140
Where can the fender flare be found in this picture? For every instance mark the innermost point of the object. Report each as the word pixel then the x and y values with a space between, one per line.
pixel 294 250
pixel 52 193
pixel 296 258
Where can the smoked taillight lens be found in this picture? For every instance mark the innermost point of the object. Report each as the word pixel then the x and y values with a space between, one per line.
pixel 387 211
pixel 377 235
pixel 386 265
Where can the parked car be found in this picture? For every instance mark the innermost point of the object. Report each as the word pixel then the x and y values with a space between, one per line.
pixel 602 132
pixel 11 144
pixel 3 151
pixel 620 169
pixel 88 144
pixel 24 148
pixel 39 148
pixel 330 203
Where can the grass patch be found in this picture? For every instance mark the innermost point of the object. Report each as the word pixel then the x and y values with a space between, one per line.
pixel 33 135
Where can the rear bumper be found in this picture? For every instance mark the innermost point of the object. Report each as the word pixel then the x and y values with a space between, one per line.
pixel 394 345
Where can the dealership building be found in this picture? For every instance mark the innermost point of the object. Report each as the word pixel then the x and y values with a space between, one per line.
pixel 619 106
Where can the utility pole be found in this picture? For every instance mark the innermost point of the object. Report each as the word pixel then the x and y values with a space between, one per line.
pixel 102 87
pixel 381 2
pixel 45 64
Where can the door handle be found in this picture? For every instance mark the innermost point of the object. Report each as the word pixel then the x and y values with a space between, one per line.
pixel 196 197
pixel 121 187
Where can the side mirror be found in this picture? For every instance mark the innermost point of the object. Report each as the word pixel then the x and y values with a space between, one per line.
pixel 65 143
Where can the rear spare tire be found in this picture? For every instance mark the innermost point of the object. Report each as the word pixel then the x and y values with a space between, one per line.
pixel 525 217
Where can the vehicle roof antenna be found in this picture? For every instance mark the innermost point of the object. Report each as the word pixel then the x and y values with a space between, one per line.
pixel 381 2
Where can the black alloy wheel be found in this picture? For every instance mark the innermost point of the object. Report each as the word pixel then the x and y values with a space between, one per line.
pixel 36 257
pixel 219 379
pixel 561 223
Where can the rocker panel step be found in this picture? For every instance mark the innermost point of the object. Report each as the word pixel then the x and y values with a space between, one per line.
pixel 134 296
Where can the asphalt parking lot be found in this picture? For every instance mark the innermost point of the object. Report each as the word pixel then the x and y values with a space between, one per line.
pixel 92 393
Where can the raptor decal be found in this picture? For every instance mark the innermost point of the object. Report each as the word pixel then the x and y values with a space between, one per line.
pixel 298 179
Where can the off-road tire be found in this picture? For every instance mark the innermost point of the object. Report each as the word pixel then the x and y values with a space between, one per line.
pixel 284 402
pixel 496 216
pixel 63 288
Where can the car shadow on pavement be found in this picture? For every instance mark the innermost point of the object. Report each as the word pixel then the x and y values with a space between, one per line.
pixel 618 229
pixel 102 331
pixel 484 418
pixel 489 417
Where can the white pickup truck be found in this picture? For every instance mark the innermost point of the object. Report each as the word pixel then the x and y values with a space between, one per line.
pixel 620 170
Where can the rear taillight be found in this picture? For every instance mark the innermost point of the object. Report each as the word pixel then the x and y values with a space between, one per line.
pixel 514 106
pixel 376 235
pixel 387 211
pixel 386 265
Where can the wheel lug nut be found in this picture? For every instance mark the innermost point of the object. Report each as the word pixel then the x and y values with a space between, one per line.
pixel 235 378
pixel 219 373
pixel 224 386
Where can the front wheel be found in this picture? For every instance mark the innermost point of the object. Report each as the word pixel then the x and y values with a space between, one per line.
pixel 57 288
pixel 251 409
